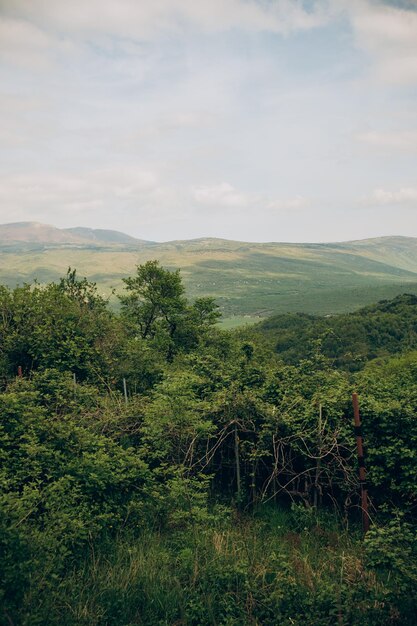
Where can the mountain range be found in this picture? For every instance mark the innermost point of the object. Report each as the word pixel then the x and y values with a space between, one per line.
pixel 247 279
pixel 34 232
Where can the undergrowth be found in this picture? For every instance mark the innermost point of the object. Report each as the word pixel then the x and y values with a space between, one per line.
pixel 264 569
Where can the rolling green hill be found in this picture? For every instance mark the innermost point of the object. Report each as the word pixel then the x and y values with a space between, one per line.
pixel 247 279
pixel 349 340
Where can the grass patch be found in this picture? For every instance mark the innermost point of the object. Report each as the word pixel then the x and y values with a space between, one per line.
pixel 276 567
pixel 236 321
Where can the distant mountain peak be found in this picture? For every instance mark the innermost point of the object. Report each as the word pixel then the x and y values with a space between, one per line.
pixel 103 235
pixel 36 232
pixel 33 232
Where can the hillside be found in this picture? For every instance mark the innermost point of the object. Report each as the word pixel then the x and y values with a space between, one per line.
pixel 350 340
pixel 247 279
pixel 36 233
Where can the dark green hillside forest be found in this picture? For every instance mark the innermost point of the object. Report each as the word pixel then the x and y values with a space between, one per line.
pixel 349 340
pixel 156 470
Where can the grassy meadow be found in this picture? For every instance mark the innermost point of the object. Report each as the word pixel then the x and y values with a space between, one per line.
pixel 248 280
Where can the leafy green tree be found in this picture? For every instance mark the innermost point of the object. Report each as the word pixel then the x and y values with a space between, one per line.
pixel 64 325
pixel 155 296
pixel 157 310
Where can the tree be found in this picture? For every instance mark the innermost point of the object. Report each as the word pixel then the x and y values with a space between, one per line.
pixel 157 309
pixel 155 295
pixel 63 325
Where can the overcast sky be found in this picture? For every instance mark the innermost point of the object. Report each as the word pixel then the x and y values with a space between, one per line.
pixel 260 120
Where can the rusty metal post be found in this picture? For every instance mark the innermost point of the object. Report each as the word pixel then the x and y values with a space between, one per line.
pixel 361 463
pixel 19 371
pixel 237 460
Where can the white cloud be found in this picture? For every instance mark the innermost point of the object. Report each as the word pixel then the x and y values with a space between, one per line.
pixel 403 196
pixel 222 195
pixel 57 195
pixel 225 195
pixel 144 20
pixel 24 44
pixel 36 34
pixel 400 141
pixel 389 35
pixel 33 32
pixel 288 204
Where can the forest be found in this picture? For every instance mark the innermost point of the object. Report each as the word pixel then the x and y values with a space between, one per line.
pixel 158 470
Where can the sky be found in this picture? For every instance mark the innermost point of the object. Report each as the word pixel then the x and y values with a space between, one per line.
pixel 255 120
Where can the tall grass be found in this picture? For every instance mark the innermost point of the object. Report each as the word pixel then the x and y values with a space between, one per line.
pixel 271 568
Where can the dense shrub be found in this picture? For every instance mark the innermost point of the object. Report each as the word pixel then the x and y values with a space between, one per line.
pixel 219 488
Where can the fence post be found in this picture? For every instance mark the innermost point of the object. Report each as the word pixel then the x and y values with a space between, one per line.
pixel 361 463
pixel 125 389
pixel 237 460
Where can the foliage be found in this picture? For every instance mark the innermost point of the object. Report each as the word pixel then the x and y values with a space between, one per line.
pixel 253 570
pixel 158 310
pixel 65 326
pixel 389 408
pixel 349 340
pixel 220 488
pixel 62 485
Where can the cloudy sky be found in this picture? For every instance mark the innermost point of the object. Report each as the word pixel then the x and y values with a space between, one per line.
pixel 261 120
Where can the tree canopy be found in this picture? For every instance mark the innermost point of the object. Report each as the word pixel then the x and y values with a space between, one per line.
pixel 155 469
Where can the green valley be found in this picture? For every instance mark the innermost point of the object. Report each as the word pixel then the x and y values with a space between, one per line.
pixel 246 279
